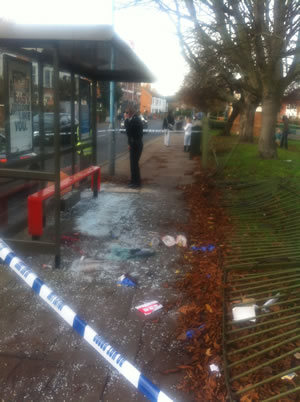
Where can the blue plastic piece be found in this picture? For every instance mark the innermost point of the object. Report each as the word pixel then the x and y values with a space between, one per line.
pixel 191 332
pixel 125 281
pixel 210 247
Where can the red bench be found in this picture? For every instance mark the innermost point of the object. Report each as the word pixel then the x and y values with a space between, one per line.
pixel 35 201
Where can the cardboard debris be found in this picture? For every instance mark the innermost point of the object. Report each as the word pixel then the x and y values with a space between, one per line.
pixel 149 308
pixel 215 369
pixel 244 312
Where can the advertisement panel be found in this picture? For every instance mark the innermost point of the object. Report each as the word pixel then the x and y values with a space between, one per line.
pixel 19 106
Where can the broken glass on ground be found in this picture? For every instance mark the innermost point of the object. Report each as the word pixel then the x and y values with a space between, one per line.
pixel 154 241
pixel 124 253
pixel 86 265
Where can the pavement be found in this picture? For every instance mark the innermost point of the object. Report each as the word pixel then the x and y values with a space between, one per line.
pixel 41 357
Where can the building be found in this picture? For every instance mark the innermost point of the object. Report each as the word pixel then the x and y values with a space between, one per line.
pixel 159 104
pixel 291 105
pixel 131 95
pixel 146 99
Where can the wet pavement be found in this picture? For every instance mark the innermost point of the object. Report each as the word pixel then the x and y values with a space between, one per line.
pixel 41 357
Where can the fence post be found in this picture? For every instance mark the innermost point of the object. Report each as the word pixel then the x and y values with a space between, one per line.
pixel 205 138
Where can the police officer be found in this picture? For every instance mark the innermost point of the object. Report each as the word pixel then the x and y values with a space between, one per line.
pixel 84 152
pixel 134 131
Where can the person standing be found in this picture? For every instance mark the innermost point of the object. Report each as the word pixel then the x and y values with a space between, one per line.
pixel 165 123
pixel 285 132
pixel 168 125
pixel 187 135
pixel 171 121
pixel 134 131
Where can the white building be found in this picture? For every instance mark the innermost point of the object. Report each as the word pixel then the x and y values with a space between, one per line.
pixel 159 105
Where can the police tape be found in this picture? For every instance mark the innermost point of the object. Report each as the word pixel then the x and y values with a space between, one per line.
pixel 148 130
pixel 96 341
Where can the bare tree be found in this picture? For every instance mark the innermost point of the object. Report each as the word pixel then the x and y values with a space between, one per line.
pixel 260 38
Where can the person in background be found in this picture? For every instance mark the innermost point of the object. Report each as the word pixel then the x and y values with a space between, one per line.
pixel 171 121
pixel 187 135
pixel 278 136
pixel 168 125
pixel 134 131
pixel 285 132
pixel 165 123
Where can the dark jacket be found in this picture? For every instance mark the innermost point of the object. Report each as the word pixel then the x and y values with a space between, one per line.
pixel 165 124
pixel 286 128
pixel 134 130
pixel 171 119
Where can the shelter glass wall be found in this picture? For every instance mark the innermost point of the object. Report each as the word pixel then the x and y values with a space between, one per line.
pixel 33 119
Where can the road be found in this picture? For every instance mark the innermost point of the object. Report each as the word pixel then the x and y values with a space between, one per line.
pixel 103 139
pixel 103 144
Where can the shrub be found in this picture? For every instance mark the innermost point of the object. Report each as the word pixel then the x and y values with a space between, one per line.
pixel 217 124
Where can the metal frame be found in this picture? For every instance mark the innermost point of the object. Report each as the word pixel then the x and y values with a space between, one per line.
pixel 37 245
pixel 20 46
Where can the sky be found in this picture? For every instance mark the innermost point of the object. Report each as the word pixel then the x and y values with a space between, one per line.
pixel 149 32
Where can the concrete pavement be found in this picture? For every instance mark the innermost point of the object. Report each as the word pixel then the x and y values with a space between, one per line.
pixel 41 357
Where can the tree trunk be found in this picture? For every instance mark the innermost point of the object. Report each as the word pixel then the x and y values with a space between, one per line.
pixel 236 108
pixel 267 144
pixel 247 119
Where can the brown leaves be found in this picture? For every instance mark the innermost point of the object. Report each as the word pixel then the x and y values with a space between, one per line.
pixel 208 308
pixel 250 396
pixel 203 286
pixel 187 308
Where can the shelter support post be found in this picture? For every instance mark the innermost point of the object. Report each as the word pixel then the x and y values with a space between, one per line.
pixel 56 154
pixel 41 114
pixel 73 133
pixel 112 144
pixel 94 131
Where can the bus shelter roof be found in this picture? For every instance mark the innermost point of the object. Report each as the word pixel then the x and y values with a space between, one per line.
pixel 82 49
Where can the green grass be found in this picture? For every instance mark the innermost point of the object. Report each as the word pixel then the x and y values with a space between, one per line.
pixel 245 164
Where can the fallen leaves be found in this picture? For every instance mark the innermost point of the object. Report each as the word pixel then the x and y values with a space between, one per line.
pixel 208 308
pixel 202 287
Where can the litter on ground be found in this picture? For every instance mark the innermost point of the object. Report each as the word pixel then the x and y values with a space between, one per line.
pixel 124 280
pixel 149 308
pixel 215 369
pixel 268 303
pixel 289 376
pixel 171 241
pixel 244 312
pixel 209 247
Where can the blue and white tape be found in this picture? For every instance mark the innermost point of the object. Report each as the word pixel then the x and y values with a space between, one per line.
pixel 147 130
pixel 96 341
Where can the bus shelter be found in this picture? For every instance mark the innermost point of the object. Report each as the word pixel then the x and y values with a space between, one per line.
pixel 48 78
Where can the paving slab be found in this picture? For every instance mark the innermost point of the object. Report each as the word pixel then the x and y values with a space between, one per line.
pixel 41 357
